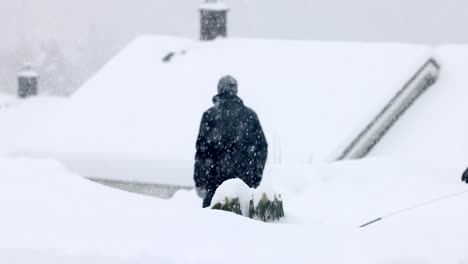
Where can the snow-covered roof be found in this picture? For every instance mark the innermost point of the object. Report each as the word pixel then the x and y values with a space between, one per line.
pixel 312 97
pixel 7 101
pixel 6 98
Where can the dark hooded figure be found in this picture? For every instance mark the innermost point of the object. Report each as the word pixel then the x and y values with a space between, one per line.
pixel 465 176
pixel 230 144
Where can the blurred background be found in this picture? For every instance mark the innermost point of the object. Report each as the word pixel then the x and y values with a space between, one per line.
pixel 68 41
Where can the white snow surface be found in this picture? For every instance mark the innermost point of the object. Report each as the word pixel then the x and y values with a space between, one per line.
pixel 312 99
pixel 435 128
pixel 214 5
pixel 237 188
pixel 7 100
pixel 49 215
pixel 28 73
pixel 138 118
pixel 234 188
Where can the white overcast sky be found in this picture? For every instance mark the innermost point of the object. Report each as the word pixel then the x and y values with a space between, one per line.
pixel 113 23
pixel 375 20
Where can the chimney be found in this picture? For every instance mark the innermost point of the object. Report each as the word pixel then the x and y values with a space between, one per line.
pixel 27 82
pixel 213 19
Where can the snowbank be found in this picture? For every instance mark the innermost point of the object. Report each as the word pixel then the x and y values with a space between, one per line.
pixel 50 215
pixel 53 216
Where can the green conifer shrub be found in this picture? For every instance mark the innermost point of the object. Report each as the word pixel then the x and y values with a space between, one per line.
pixel 266 210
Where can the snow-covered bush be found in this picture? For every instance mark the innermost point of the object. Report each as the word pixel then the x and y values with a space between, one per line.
pixel 267 210
pixel 235 196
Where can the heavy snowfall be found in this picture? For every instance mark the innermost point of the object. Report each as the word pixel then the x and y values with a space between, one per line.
pixel 105 174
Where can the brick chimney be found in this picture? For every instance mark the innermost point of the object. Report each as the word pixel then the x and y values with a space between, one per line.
pixel 27 82
pixel 213 19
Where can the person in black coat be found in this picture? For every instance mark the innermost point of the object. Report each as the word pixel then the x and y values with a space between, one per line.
pixel 465 176
pixel 230 143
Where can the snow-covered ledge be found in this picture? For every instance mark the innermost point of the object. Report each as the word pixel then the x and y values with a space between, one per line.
pixel 425 77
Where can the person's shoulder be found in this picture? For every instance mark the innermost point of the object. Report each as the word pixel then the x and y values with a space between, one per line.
pixel 210 112
pixel 250 112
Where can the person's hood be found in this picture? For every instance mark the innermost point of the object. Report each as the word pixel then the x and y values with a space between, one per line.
pixel 226 98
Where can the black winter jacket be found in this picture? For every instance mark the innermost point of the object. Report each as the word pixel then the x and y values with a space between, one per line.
pixel 230 144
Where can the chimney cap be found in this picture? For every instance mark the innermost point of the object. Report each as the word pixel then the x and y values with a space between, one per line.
pixel 214 5
pixel 27 71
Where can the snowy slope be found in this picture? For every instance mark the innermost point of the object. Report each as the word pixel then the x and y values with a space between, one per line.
pixel 435 129
pixel 21 119
pixel 299 89
pixel 312 99
pixel 7 100
pixel 339 197
pixel 50 215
